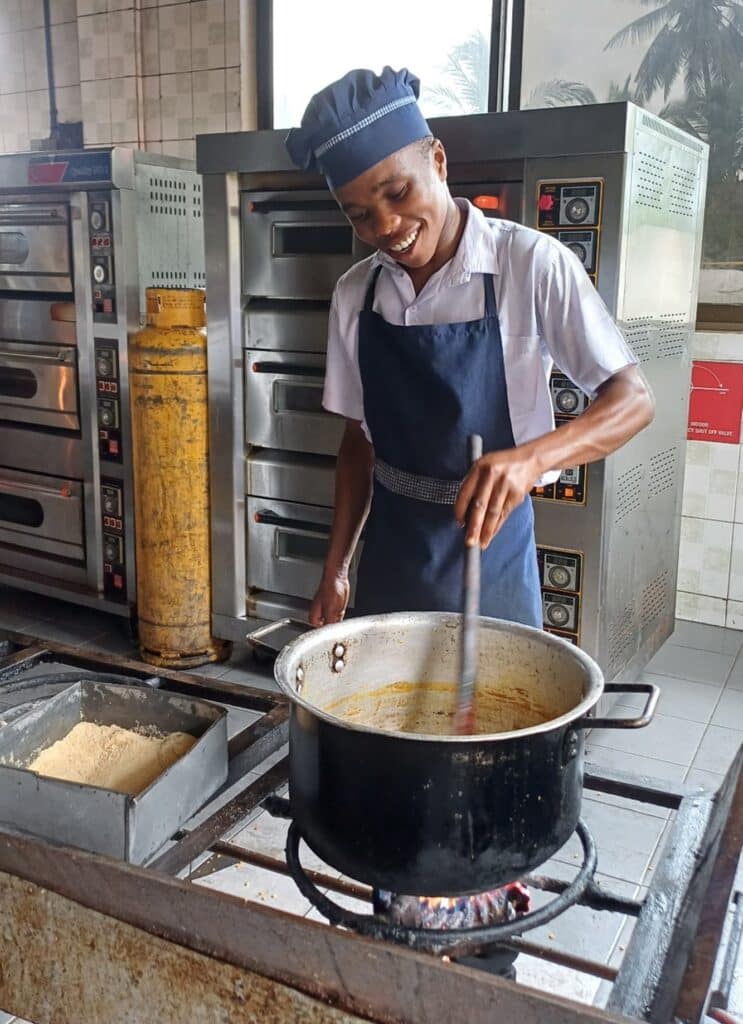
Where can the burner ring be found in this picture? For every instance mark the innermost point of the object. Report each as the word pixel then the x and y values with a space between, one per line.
pixel 461 941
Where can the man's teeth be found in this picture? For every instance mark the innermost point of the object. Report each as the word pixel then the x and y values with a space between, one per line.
pixel 406 242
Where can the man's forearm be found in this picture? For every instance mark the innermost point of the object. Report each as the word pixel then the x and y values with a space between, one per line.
pixel 353 489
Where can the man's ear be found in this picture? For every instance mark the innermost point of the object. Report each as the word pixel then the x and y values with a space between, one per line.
pixel 438 155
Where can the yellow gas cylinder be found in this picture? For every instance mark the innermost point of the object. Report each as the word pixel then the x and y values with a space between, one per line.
pixel 168 399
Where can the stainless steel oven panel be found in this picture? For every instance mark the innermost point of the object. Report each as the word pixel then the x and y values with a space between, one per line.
pixel 295 245
pixel 287 543
pixel 309 479
pixel 35 247
pixel 38 385
pixel 292 326
pixel 283 396
pixel 32 320
pixel 42 513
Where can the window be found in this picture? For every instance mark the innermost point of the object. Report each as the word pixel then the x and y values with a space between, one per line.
pixel 682 59
pixel 316 43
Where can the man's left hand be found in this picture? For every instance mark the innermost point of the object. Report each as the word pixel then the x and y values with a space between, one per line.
pixel 495 485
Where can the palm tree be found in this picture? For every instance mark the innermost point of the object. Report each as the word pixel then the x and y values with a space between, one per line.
pixel 701 39
pixel 466 74
pixel 561 93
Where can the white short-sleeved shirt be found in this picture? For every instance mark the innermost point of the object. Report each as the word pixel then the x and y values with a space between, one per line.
pixel 549 312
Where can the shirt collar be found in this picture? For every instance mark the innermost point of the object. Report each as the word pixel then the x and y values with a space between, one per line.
pixel 477 252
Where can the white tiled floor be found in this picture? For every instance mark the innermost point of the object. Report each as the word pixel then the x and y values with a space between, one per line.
pixel 698 728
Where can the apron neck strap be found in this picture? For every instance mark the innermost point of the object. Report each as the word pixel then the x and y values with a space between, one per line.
pixel 369 299
pixel 491 307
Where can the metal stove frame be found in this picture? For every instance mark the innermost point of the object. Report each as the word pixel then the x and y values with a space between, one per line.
pixel 171 950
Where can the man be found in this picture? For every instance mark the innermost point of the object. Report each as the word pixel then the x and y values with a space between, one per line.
pixel 449 329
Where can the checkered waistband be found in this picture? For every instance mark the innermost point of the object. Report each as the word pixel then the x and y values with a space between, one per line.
pixel 410 485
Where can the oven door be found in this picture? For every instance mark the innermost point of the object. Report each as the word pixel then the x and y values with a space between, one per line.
pixel 287 544
pixel 38 385
pixel 283 403
pixel 35 252
pixel 42 514
pixel 295 244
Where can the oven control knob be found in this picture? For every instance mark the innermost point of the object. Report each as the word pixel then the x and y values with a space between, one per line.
pixel 111 551
pixel 566 401
pixel 558 615
pixel 109 504
pixel 106 416
pixel 97 220
pixel 580 251
pixel 104 365
pixel 576 211
pixel 100 274
pixel 559 576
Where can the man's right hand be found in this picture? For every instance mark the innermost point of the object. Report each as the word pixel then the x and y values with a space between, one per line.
pixel 331 600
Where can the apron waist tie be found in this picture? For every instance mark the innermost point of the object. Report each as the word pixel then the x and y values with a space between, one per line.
pixel 410 485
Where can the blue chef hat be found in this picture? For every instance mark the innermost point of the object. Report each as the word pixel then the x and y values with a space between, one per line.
pixel 357 121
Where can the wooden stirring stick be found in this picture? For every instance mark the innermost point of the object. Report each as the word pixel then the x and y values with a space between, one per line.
pixel 464 721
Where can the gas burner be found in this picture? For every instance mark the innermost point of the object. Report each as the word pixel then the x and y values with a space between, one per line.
pixel 460 941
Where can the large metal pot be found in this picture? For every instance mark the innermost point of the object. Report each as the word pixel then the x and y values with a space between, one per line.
pixel 424 813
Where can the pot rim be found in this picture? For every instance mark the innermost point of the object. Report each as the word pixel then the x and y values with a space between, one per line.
pixel 290 659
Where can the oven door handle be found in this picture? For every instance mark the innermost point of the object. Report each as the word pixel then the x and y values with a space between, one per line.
pixel 268 518
pixel 14 486
pixel 61 358
pixel 31 215
pixel 288 369
pixel 287 206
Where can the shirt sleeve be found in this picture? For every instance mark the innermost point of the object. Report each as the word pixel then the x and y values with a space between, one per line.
pixel 343 393
pixel 576 326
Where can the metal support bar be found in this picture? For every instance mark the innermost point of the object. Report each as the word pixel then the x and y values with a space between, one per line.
pixel 659 792
pixel 651 975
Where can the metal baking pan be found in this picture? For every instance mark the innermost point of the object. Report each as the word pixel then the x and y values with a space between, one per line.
pixel 268 641
pixel 129 828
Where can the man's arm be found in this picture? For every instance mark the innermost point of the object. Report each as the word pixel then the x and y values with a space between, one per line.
pixel 353 489
pixel 500 480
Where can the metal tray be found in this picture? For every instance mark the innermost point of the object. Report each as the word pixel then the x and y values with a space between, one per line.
pixel 268 641
pixel 130 828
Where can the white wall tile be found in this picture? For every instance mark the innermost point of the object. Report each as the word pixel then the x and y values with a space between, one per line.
pixel 735 591
pixel 176 106
pixel 149 3
pixel 34 57
pixel 91 7
pixel 92 34
pixel 122 58
pixel 175 38
pixel 207 35
pixel 32 12
pixel 12 65
pixel 698 608
pixel 120 5
pixel 124 125
pixel 734 619
pixel 232 33
pixel 38 114
pixel 185 148
pixel 14 122
pixel 152 116
pixel 724 346
pixel 69 103
pixel 170 3
pixel 96 104
pixel 150 42
pixel 711 480
pixel 704 557
pixel 209 103
pixel 11 19
pixel 232 97
pixel 61 11
pixel 66 54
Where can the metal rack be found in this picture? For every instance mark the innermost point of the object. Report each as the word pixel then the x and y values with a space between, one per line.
pixel 170 949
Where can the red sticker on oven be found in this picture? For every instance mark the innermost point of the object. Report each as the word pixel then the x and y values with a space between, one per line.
pixel 46 173
pixel 715 402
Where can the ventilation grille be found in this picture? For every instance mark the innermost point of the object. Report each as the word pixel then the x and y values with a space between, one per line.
pixel 673 335
pixel 663 471
pixel 655 598
pixel 622 638
pixel 661 128
pixel 629 492
pixel 683 191
pixel 168 196
pixel 639 338
pixel 650 183
pixel 196 204
pixel 170 278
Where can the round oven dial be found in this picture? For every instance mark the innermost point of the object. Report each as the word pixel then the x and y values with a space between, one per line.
pixel 99 273
pixel 105 416
pixel 559 576
pixel 566 401
pixel 580 250
pixel 97 220
pixel 104 365
pixel 111 551
pixel 558 615
pixel 109 505
pixel 576 211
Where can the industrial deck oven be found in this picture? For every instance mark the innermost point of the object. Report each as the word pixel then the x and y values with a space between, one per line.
pixel 82 235
pixel 624 190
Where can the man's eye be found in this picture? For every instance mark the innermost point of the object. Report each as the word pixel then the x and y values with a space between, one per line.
pixel 356 217
pixel 400 193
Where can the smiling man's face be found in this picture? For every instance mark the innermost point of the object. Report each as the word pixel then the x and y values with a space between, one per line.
pixel 400 204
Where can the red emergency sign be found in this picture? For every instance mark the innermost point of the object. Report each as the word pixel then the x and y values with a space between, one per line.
pixel 715 402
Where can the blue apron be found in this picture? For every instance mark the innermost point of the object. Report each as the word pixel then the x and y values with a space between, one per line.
pixel 426 388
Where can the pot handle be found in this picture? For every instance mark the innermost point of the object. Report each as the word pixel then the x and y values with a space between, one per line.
pixel 645 717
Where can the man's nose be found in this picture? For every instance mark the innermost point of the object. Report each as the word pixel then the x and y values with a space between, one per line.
pixel 386 224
